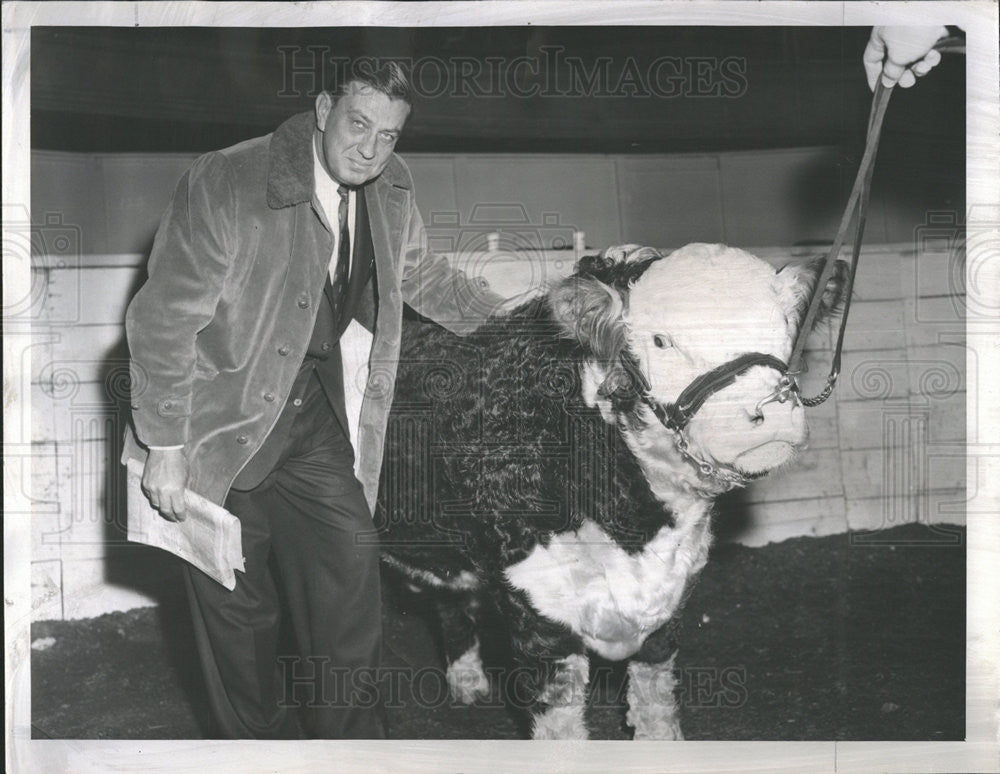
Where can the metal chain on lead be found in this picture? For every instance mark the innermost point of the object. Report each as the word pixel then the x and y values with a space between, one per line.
pixel 706 468
pixel 826 393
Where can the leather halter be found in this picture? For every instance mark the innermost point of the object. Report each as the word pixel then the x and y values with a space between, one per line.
pixel 676 416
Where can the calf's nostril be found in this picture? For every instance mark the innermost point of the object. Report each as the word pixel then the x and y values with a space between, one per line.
pixel 756 417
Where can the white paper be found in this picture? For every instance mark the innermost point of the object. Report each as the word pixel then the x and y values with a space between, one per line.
pixel 355 350
pixel 210 537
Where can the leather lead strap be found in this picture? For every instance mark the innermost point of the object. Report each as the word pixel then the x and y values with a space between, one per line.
pixel 857 204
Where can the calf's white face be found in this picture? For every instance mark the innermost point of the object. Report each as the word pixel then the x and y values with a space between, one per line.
pixel 701 307
pixel 689 312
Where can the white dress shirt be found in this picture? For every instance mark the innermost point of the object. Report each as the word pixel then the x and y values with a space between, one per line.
pixel 329 199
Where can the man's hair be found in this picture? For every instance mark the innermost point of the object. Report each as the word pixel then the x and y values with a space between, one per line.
pixel 386 76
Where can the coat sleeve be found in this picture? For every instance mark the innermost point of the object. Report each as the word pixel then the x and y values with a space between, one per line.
pixel 437 290
pixel 188 265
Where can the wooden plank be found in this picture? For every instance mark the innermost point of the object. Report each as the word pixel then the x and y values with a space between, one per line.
pixel 536 201
pixel 937 372
pixel 89 296
pixel 669 202
pixel 934 322
pixel 434 188
pixel 45 531
pixel 781 196
pixel 51 467
pixel 87 413
pixel 874 375
pixel 877 513
pixel 948 419
pixel 46 590
pixel 902 470
pixel 88 591
pixel 80 353
pixel 862 424
pixel 938 268
pixel 880 275
pixel 67 196
pixel 875 325
pixel 138 188
pixel 44 415
pixel 774 521
pixel 814 473
pixel 823 431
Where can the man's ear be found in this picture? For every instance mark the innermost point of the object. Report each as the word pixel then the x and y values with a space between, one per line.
pixel 322 108
pixel 591 312
pixel 796 282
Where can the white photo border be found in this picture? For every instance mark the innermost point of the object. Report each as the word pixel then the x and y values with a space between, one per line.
pixel 980 750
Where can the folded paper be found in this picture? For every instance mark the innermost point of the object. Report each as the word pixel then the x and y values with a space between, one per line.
pixel 209 537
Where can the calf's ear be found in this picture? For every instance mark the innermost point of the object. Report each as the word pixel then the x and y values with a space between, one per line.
pixel 796 283
pixel 591 312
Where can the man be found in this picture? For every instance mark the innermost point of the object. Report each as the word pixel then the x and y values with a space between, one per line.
pixel 266 253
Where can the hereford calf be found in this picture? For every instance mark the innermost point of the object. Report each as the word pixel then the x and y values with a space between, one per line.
pixel 539 465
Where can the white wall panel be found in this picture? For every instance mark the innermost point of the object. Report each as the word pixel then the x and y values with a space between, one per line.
pixel 545 198
pixel 669 202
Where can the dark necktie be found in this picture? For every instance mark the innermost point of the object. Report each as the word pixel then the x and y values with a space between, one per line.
pixel 340 271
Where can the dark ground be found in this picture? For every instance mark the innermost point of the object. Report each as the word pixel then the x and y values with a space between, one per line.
pixel 812 638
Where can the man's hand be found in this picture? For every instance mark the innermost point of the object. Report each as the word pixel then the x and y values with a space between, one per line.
pixel 901 54
pixel 163 481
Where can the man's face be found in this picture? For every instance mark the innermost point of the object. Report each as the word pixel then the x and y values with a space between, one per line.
pixel 355 136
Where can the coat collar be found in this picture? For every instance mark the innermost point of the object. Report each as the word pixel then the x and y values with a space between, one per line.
pixel 290 170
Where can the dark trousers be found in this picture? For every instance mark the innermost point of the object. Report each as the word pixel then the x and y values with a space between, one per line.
pixel 308 517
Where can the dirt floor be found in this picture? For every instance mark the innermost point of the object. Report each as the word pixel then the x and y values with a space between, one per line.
pixel 857 636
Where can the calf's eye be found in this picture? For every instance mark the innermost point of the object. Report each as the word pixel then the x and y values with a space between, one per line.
pixel 661 341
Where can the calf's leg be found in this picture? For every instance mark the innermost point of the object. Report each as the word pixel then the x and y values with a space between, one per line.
pixel 561 701
pixel 551 673
pixel 653 709
pixel 459 614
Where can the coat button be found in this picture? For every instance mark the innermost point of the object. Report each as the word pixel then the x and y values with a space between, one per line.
pixel 297 402
pixel 167 404
pixel 243 440
pixel 135 406
pixel 326 346
pixel 269 397
pixel 303 303
pixel 283 350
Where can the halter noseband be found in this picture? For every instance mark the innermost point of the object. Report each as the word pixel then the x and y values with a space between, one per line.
pixel 677 415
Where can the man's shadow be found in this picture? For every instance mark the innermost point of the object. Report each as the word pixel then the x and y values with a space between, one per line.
pixel 151 572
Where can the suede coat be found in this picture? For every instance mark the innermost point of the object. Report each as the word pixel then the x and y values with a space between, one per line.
pixel 218 331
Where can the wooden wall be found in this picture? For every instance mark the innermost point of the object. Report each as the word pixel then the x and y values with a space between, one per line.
pixel 887 449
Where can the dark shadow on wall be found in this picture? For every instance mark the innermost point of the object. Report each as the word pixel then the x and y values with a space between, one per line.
pixel 732 516
pixel 139 568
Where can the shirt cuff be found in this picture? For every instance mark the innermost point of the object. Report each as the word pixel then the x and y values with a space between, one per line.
pixel 166 448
